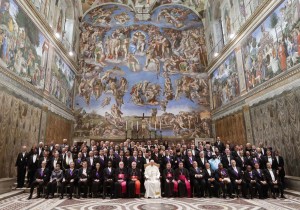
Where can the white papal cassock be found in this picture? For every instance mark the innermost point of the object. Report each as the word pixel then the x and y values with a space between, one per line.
pixel 152 184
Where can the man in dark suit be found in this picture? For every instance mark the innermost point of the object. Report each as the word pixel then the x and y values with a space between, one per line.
pixel 41 150
pixel 226 159
pixel 33 164
pixel 167 159
pixel 79 160
pixel 83 179
pixel 261 181
pixel 197 179
pixel 202 160
pixel 279 165
pixel 102 159
pixel 251 184
pixel 113 158
pixel 212 186
pixel 223 178
pixel 156 156
pixel 70 178
pixel 91 161
pixel 188 162
pixel 194 151
pixel 236 177
pixel 109 174
pixel 21 164
pixel 268 158
pixel 46 159
pixel 55 160
pixel 241 161
pixel 272 179
pixel 219 145
pixel 41 179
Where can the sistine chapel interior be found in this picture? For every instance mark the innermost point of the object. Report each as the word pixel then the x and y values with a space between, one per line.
pixel 177 75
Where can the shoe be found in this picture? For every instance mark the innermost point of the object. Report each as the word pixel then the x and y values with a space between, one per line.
pixel 282 196
pixel 51 196
pixel 30 196
pixel 231 196
pixel 61 197
pixel 38 196
pixel 70 197
pixel 46 197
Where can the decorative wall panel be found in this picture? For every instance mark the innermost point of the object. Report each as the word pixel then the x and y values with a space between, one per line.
pixel 19 125
pixel 231 128
pixel 276 123
pixel 57 128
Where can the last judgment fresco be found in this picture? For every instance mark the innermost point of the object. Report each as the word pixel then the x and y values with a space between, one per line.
pixel 142 77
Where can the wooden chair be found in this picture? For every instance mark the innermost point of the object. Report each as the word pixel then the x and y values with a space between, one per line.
pixel 148 164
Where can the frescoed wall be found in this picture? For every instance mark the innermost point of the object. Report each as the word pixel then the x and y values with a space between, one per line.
pixel 23 48
pixel 273 47
pixel 62 81
pixel 225 82
pixel 223 20
pixel 60 17
pixel 132 68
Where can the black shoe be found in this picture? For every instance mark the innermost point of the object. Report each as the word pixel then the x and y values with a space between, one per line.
pixel 70 197
pixel 231 196
pixel 47 196
pixel 61 197
pixel 30 196
pixel 38 196
pixel 282 196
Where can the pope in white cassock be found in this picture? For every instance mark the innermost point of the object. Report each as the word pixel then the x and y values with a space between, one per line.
pixel 152 183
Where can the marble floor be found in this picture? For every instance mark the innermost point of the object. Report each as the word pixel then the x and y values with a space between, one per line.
pixel 20 202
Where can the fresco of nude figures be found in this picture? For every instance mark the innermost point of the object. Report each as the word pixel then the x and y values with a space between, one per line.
pixel 132 68
pixel 23 48
pixel 273 47
pixel 225 82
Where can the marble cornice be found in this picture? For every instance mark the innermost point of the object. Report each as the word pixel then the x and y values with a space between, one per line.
pixel 255 20
pixel 48 32
pixel 275 86
pixel 29 92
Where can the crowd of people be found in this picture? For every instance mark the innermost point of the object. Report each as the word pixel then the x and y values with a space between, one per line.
pixel 153 169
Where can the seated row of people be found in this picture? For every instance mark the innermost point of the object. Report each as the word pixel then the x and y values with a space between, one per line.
pixel 123 182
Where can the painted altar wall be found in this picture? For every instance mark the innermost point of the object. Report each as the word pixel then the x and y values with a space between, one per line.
pixel 267 57
pixel 132 67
